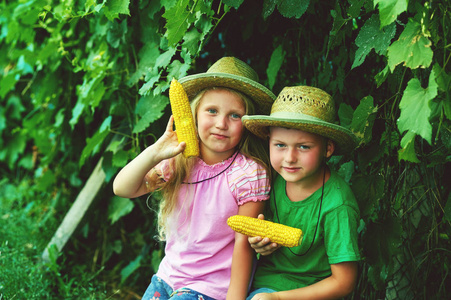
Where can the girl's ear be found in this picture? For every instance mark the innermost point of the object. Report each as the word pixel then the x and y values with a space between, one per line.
pixel 330 148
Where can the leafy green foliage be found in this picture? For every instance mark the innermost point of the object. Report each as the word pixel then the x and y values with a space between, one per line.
pixel 412 48
pixel 87 80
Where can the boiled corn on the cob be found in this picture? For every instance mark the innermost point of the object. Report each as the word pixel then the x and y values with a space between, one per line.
pixel 183 119
pixel 281 234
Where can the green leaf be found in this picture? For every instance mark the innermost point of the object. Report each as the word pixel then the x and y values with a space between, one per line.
pixel 76 113
pixel 274 65
pixel 46 181
pixel 355 7
pixel 337 34
pixel 191 40
pixel 147 57
pixel 412 48
pixel 115 7
pixel 130 268
pixel 233 3
pixel 363 119
pixel 346 170
pixel 382 76
pixel 177 69
pixel 368 190
pixel 407 152
pixel 93 144
pixel 268 8
pixel 292 8
pixel 345 113
pixel 116 33
pixel 7 83
pixel 389 10
pixel 150 108
pixel 165 58
pixel 118 208
pixel 178 19
pixel 372 37
pixel 447 210
pixel 415 109
pixel 443 79
pixel 15 146
pixel 120 158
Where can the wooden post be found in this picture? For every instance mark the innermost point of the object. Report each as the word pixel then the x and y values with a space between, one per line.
pixel 77 211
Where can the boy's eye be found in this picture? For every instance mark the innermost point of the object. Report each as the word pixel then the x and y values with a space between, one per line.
pixel 304 147
pixel 280 145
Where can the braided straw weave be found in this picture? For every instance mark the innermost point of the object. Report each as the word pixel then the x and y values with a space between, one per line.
pixel 232 73
pixel 305 108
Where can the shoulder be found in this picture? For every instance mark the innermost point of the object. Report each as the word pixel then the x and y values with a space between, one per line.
pixel 248 179
pixel 245 166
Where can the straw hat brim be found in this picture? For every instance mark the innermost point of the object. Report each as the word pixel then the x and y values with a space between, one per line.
pixel 263 98
pixel 345 140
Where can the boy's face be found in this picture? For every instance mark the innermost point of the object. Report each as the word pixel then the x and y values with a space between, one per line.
pixel 298 155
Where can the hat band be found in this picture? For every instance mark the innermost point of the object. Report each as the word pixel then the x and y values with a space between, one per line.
pixel 296 117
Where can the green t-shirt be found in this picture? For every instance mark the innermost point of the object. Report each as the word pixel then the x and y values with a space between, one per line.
pixel 335 241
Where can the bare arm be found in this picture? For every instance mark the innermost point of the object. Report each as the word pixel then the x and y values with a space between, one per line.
pixel 339 284
pixel 130 182
pixel 243 256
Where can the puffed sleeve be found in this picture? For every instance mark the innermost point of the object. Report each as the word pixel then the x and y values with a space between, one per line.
pixel 248 181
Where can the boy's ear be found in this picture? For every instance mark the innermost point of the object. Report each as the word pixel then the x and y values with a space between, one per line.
pixel 330 148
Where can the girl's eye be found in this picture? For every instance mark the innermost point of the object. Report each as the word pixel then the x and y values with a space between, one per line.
pixel 211 110
pixel 236 116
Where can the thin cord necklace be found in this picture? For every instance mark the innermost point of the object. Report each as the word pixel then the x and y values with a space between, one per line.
pixel 317 222
pixel 196 182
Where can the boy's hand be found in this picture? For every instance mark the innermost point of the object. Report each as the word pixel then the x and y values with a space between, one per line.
pixel 168 145
pixel 262 245
pixel 265 296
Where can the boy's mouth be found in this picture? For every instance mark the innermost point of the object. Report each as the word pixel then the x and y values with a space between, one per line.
pixel 291 169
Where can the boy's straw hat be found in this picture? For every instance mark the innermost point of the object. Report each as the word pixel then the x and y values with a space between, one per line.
pixel 232 73
pixel 306 108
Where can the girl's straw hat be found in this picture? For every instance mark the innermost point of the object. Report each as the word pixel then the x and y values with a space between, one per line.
pixel 232 73
pixel 306 108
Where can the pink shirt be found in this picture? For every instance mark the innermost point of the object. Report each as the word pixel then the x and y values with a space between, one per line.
pixel 199 243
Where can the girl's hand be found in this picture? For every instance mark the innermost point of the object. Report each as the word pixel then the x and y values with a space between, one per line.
pixel 167 145
pixel 262 245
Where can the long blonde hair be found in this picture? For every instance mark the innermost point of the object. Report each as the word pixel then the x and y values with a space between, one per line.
pixel 249 145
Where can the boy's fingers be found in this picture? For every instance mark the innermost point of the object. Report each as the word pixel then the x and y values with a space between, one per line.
pixel 254 239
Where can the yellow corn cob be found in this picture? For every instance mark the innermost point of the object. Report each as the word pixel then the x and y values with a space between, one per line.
pixel 278 233
pixel 183 119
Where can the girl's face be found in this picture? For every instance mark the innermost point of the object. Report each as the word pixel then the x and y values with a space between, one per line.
pixel 298 155
pixel 219 124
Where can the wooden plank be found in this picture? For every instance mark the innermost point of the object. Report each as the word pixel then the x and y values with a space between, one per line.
pixel 78 210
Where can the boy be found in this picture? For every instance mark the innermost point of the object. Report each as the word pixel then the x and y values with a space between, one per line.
pixel 306 194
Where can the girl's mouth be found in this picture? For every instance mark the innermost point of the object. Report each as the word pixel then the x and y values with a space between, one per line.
pixel 219 136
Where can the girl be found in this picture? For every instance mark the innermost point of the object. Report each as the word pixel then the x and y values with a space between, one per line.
pixel 204 258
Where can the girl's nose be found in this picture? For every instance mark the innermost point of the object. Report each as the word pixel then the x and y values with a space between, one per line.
pixel 221 122
pixel 290 155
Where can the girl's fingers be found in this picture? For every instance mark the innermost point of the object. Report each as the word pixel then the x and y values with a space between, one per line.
pixel 170 125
